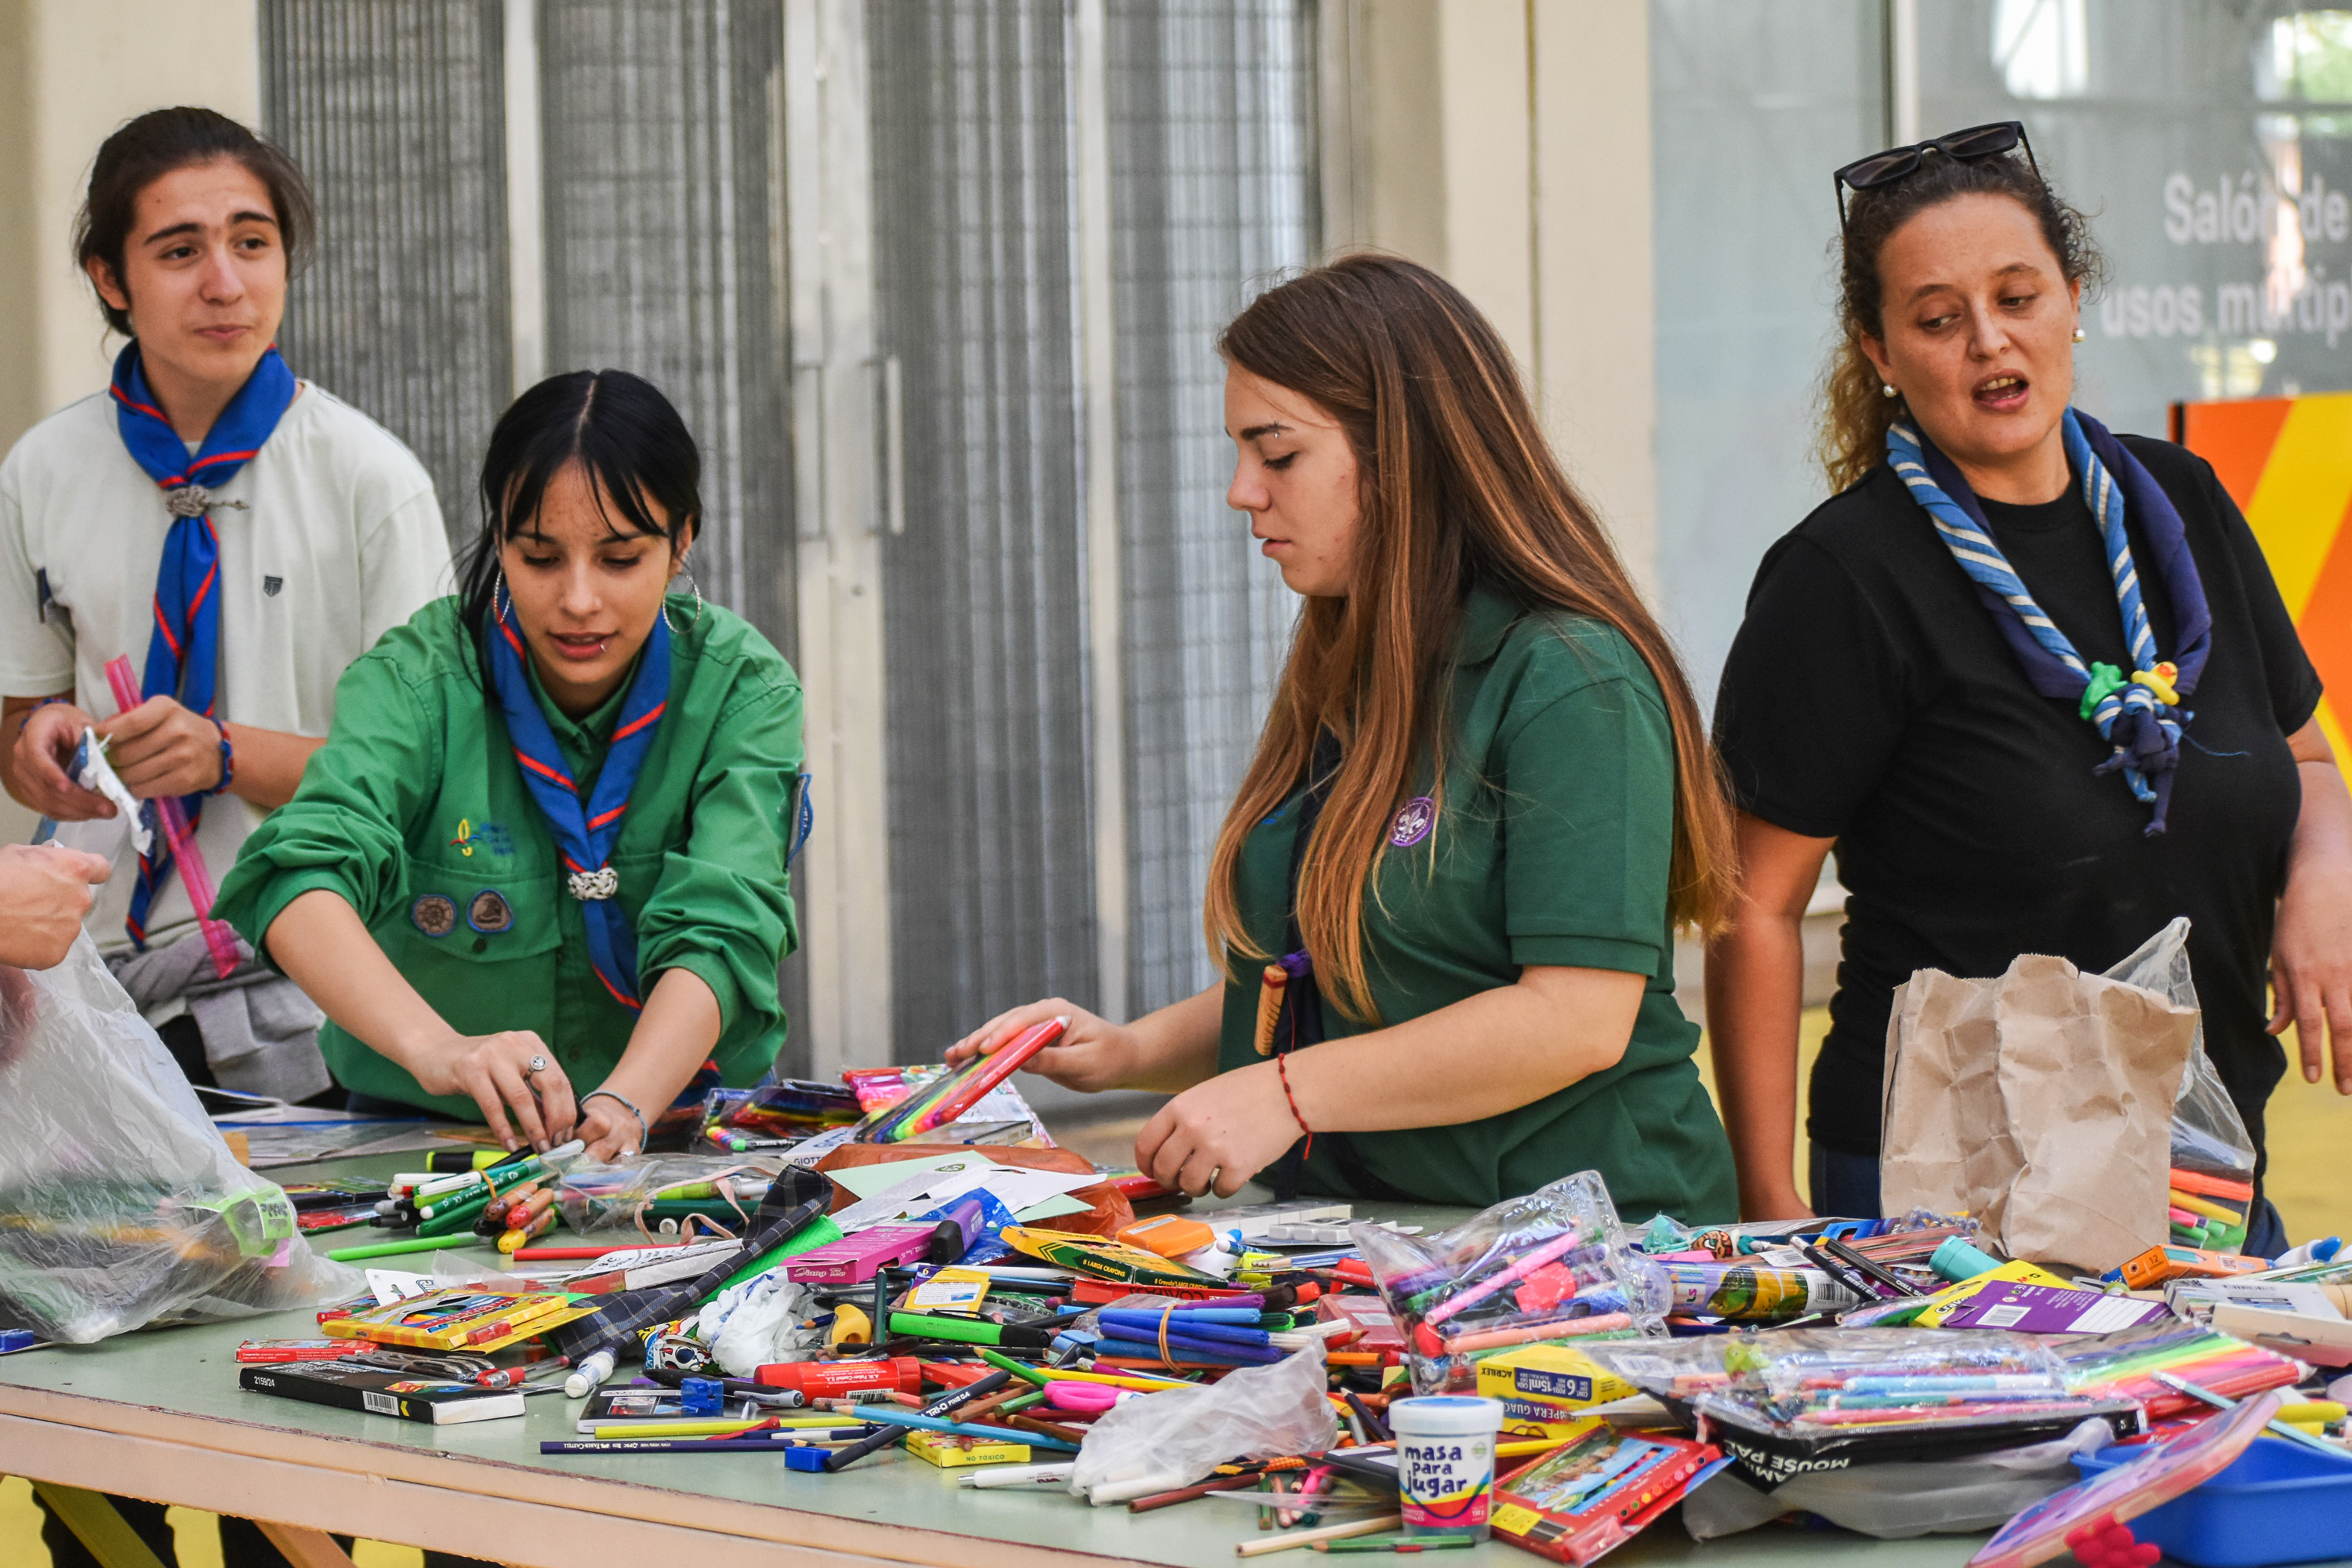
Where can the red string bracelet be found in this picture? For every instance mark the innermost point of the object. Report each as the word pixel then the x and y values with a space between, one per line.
pixel 1282 1065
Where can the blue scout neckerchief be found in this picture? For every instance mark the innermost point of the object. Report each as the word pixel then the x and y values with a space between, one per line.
pixel 184 650
pixel 2139 716
pixel 584 834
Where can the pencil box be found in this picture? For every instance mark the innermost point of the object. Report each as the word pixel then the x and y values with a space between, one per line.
pixel 855 1260
pixel 379 1391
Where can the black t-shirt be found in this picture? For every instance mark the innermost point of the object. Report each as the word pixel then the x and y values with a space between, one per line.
pixel 1870 697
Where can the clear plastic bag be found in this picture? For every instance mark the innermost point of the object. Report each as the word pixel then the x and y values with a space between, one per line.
pixel 2209 1136
pixel 1554 1264
pixel 626 1197
pixel 1164 1441
pixel 1793 1401
pixel 119 1205
pixel 1901 1500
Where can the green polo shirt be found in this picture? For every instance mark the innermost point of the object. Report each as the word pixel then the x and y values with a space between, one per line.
pixel 1550 845
pixel 416 814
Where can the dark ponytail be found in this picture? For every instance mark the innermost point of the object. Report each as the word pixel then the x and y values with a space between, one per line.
pixel 166 140
pixel 632 443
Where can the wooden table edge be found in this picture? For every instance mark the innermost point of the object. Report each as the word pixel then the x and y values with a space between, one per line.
pixel 816 1537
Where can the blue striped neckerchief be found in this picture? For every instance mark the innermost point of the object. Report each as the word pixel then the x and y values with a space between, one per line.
pixel 584 833
pixel 2139 716
pixel 184 647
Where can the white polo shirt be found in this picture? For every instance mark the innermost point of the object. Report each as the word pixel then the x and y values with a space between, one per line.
pixel 337 541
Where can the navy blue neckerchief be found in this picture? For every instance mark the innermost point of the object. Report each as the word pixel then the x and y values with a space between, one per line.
pixel 184 650
pixel 2144 734
pixel 584 833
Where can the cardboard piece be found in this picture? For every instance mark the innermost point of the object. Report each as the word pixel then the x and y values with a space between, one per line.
pixel 2040 1101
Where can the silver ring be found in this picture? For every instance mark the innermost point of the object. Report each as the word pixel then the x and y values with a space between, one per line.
pixel 537 1065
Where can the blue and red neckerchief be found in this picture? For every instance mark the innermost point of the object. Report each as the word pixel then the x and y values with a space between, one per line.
pixel 584 834
pixel 184 650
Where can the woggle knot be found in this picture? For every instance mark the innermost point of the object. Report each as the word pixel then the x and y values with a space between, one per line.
pixel 2106 681
pixel 188 500
pixel 2159 680
pixel 589 886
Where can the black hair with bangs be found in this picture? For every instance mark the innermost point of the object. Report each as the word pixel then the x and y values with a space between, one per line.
pixel 628 437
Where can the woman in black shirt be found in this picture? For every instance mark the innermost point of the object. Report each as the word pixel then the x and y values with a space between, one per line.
pixel 1909 689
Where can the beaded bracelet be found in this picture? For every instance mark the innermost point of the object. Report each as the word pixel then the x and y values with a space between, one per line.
pixel 1282 1065
pixel 228 760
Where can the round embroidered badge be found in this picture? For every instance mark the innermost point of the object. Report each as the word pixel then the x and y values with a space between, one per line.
pixel 434 914
pixel 490 912
pixel 1413 820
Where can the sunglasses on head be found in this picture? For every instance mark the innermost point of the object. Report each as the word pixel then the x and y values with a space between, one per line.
pixel 1882 168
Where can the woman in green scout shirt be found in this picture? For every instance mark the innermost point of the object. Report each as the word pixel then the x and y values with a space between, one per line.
pixel 546 841
pixel 1502 784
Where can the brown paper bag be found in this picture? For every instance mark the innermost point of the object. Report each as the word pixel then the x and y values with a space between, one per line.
pixel 2040 1102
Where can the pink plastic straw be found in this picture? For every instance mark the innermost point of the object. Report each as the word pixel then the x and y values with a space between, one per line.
pixel 194 875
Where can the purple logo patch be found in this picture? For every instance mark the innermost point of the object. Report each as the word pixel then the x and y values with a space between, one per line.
pixel 1413 820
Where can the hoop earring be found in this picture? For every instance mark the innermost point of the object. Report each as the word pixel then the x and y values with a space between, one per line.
pixel 498 591
pixel 1886 389
pixel 695 583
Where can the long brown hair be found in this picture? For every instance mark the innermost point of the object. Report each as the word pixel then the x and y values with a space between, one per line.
pixel 1456 486
pixel 1855 409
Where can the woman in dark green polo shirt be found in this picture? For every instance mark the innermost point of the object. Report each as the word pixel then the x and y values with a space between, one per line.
pixel 1446 892
pixel 546 841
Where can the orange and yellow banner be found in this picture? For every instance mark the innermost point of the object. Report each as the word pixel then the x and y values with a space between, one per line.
pixel 2287 462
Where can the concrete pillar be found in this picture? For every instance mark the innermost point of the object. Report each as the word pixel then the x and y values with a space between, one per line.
pixel 71 72
pixel 1507 143
pixel 76 70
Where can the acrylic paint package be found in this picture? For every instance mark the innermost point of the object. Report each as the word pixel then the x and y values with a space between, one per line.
pixel 119 1205
pixel 1786 1402
pixel 1553 1265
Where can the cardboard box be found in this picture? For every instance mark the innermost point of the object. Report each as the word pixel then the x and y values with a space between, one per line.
pixel 1544 1388
pixel 951 1451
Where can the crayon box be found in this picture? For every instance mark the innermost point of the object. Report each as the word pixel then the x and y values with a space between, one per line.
pixel 1547 1388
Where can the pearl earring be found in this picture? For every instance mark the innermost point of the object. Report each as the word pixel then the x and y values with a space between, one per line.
pixel 2080 334
pixel 1886 389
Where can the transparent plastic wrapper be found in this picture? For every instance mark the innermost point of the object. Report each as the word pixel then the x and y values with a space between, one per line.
pixel 1164 1441
pixel 1905 1498
pixel 696 1195
pixel 1795 1401
pixel 2209 1136
pixel 1553 1265
pixel 119 1205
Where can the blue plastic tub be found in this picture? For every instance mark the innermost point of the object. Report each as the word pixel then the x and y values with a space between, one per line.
pixel 2280 1502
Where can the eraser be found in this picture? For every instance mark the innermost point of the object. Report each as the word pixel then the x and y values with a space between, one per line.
pixel 806 1458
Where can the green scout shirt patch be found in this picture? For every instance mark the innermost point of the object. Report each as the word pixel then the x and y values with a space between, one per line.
pixel 434 914
pixel 488 913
